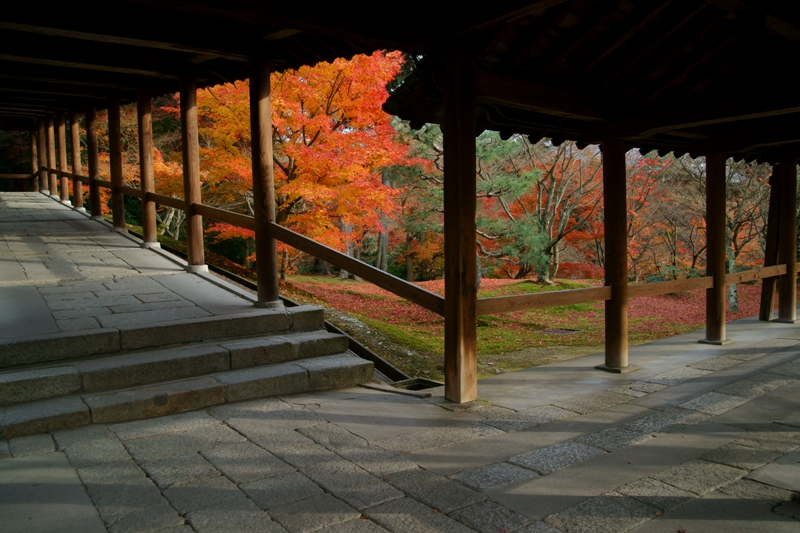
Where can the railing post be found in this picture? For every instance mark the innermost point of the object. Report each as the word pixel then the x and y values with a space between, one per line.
pixel 93 160
pixel 715 248
pixel 615 222
pixel 191 176
pixel 51 157
pixel 146 173
pixel 460 263
pixel 263 183
pixel 771 248
pixel 44 184
pixel 77 184
pixel 787 243
pixel 61 133
pixel 115 160
pixel 34 162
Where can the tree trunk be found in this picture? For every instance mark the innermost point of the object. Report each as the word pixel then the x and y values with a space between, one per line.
pixel 544 270
pixel 382 261
pixel 554 263
pixel 409 259
pixel 284 264
pixel 730 266
pixel 478 273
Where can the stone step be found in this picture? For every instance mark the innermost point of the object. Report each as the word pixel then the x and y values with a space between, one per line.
pixel 143 368
pixel 70 345
pixel 74 410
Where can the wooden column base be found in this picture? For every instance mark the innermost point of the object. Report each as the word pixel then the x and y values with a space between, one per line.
pixel 278 304
pixel 723 342
pixel 784 321
pixel 194 269
pixel 617 369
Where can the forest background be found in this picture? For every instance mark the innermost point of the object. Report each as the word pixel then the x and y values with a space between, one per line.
pixel 359 180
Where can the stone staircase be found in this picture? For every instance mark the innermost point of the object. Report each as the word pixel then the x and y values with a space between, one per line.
pixel 107 375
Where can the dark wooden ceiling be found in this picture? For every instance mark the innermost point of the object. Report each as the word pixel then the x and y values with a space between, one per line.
pixel 674 75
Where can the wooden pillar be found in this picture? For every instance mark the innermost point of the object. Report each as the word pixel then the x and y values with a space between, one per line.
pixel 115 160
pixel 51 157
pixel 75 136
pixel 146 172
pixel 460 265
pixel 61 134
pixel 263 183
pixel 94 164
pixel 44 183
pixel 615 222
pixel 34 162
pixel 191 176
pixel 715 248
pixel 787 244
pixel 771 248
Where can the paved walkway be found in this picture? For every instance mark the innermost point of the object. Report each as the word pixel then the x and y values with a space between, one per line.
pixel 63 272
pixel 701 438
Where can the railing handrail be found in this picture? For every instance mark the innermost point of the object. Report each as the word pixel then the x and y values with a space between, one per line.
pixel 418 295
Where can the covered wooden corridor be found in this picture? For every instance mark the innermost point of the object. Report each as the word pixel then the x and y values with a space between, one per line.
pixel 668 76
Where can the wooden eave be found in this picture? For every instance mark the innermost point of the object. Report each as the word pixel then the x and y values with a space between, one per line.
pixel 675 75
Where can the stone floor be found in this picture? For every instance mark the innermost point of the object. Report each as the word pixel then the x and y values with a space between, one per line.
pixel 700 438
pixel 63 272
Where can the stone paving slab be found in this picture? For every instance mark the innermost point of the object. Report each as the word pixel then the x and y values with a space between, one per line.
pixel 240 515
pixel 281 490
pixel 431 489
pixel 313 514
pixel 408 515
pixel 720 512
pixel 542 496
pixel 489 517
pixel 603 514
pixel 491 476
pixel 30 484
pixel 545 460
pixel 700 477
pixel 783 473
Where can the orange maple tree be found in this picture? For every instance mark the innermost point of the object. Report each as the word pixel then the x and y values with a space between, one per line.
pixel 330 138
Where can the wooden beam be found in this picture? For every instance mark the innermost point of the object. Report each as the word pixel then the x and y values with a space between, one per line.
pixel 77 184
pixel 44 183
pixel 115 157
pixel 195 254
pixel 771 248
pixel 498 89
pixel 263 182
pixel 87 66
pixel 146 167
pixel 668 287
pixel 61 133
pixel 615 222
pixel 460 263
pixel 92 158
pixel 524 302
pixel 34 162
pixel 787 241
pixel 683 117
pixel 51 156
pixel 121 40
pixel 169 201
pixel 750 136
pixel 489 17
pixel 715 249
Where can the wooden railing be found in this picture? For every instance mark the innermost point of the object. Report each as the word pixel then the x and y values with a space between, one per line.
pixel 16 176
pixel 424 298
